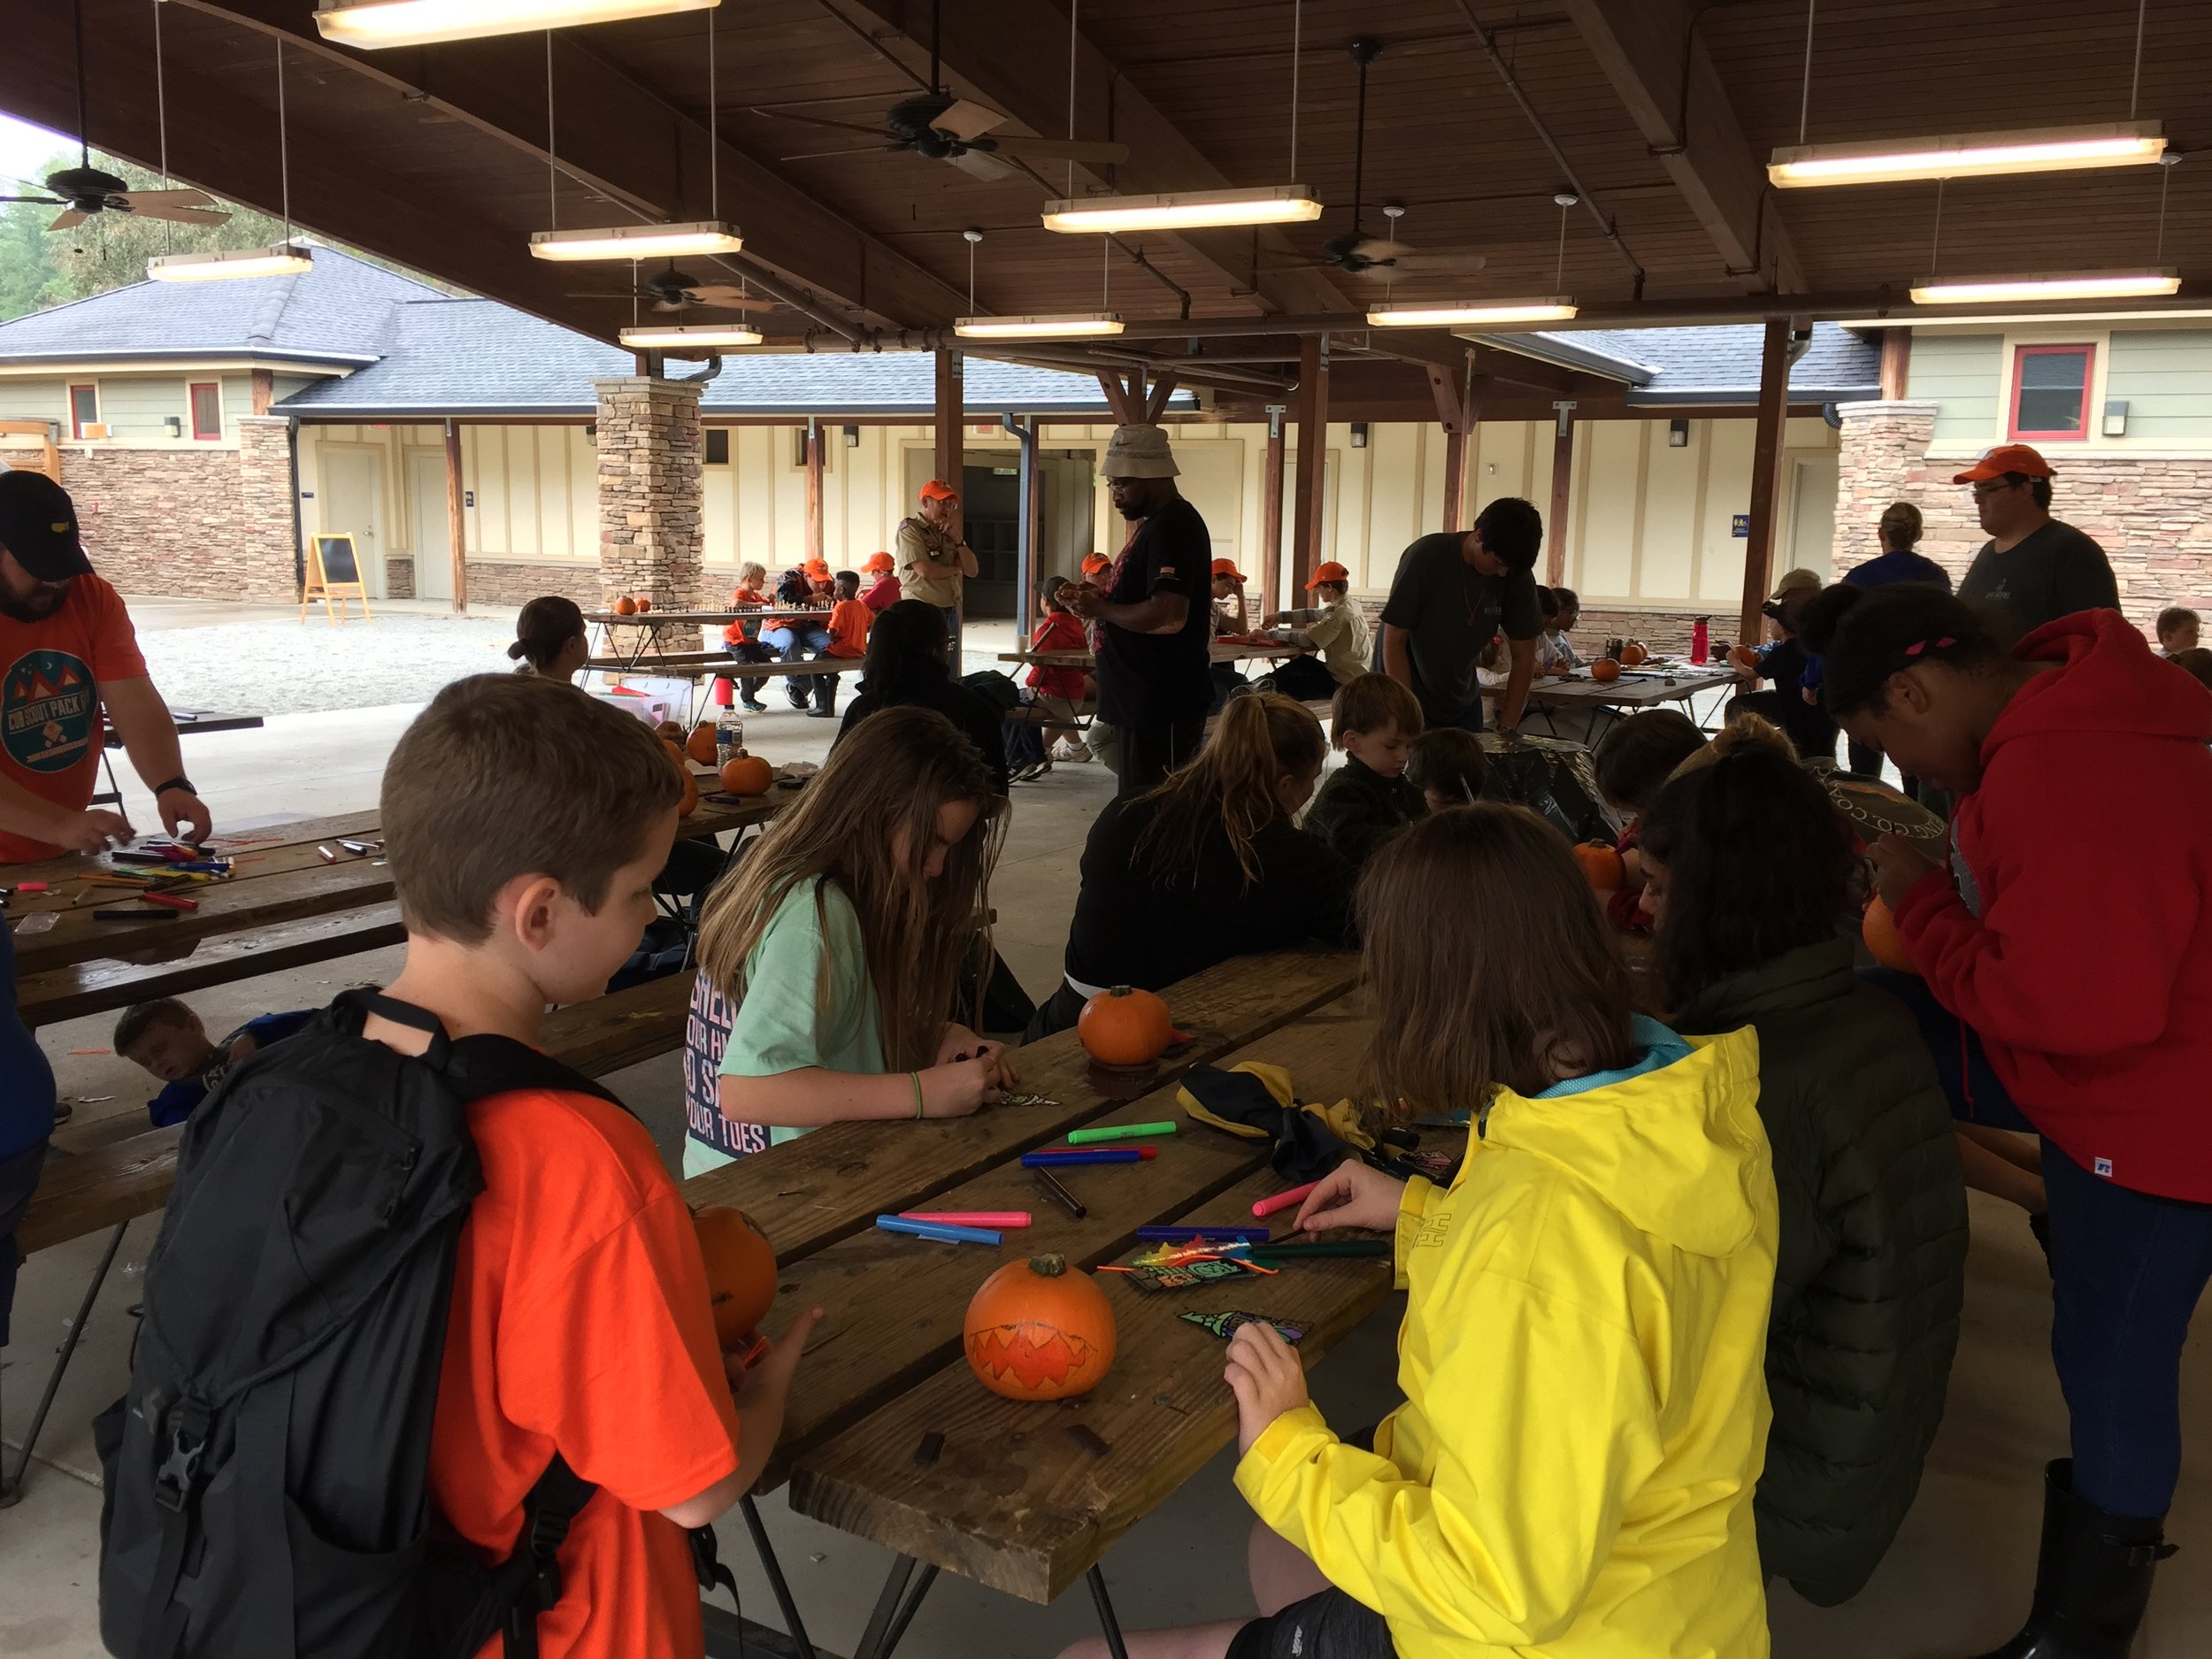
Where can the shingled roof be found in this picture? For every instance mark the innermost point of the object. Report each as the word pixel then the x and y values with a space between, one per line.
pixel 1660 367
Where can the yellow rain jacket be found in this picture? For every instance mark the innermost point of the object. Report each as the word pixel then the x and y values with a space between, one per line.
pixel 1582 1359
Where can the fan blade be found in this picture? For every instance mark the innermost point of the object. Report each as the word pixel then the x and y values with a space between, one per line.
pixel 1439 263
pixel 729 299
pixel 820 121
pixel 1060 149
pixel 140 200
pixel 180 215
pixel 820 154
pixel 43 200
pixel 1379 249
pixel 980 164
pixel 965 119
pixel 69 220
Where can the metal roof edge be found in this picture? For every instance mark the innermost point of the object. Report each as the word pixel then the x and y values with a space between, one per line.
pixel 182 354
pixel 1662 397
pixel 1555 350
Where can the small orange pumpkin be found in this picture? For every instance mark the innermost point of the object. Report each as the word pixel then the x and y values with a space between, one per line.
pixel 1601 866
pixel 1125 1026
pixel 747 774
pixel 625 606
pixel 689 804
pixel 1883 942
pixel 1035 1330
pixel 700 745
pixel 644 604
pixel 1606 670
pixel 1633 653
pixel 741 1271
pixel 1743 657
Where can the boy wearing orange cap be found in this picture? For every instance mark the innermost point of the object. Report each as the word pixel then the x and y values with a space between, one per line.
pixel 1336 628
pixel 934 560
pixel 883 592
pixel 2033 569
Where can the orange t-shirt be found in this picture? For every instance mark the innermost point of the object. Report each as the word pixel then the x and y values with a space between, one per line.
pixel 51 729
pixel 848 623
pixel 580 1322
pixel 738 632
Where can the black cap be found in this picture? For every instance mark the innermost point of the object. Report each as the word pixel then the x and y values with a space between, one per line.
pixel 38 524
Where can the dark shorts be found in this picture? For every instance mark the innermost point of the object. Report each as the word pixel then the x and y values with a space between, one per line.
pixel 1330 1625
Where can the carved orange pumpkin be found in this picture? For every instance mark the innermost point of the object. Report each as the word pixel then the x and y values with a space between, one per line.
pixel 1036 1331
pixel 1123 1026
pixel 689 804
pixel 1633 653
pixel 1880 930
pixel 700 745
pixel 1601 866
pixel 625 606
pixel 1605 669
pixel 741 1271
pixel 747 774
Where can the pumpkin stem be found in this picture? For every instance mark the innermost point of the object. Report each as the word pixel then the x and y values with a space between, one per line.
pixel 1048 1266
pixel 1118 990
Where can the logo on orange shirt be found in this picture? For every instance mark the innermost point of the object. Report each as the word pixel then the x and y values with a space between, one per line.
pixel 46 705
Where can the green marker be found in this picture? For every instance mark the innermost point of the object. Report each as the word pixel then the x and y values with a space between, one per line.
pixel 1117 1132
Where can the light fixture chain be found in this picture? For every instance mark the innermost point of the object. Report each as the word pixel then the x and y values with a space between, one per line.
pixel 971 310
pixel 1559 273
pixel 1935 245
pixel 2165 177
pixel 1297 28
pixel 714 145
pixel 1805 93
pixel 2135 81
pixel 161 117
pixel 1074 9
pixel 552 163
pixel 1105 272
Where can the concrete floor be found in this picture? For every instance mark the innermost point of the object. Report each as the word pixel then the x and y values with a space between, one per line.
pixel 1954 1584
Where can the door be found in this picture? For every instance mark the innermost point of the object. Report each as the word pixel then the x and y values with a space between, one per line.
pixel 353 500
pixel 991 521
pixel 433 529
pixel 1813 515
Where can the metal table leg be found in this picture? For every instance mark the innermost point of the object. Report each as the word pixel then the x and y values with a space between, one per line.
pixel 777 1586
pixel 879 1622
pixel 1107 1622
pixel 12 1491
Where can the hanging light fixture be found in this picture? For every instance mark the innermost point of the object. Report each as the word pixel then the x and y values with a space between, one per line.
pixel 284 258
pixel 2084 285
pixel 1062 326
pixel 1186 210
pixel 1968 155
pixel 374 23
pixel 677 337
pixel 1481 314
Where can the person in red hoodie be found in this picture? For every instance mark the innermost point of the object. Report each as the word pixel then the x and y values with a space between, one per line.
pixel 2071 942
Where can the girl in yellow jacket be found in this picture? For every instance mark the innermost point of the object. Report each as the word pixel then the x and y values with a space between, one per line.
pixel 1583 1352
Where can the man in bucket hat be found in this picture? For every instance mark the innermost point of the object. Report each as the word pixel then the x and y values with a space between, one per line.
pixel 1156 623
pixel 2033 569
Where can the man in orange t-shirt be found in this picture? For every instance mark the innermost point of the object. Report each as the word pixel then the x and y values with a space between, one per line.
pixel 67 649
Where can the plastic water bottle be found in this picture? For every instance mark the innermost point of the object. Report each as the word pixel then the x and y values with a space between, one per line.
pixel 1700 640
pixel 729 736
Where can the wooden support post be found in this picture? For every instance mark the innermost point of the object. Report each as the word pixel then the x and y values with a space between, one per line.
pixel 264 390
pixel 1272 510
pixel 457 521
pixel 814 487
pixel 1563 474
pixel 1155 401
pixel 1313 456
pixel 1454 407
pixel 1896 363
pixel 1116 398
pixel 1766 475
pixel 951 465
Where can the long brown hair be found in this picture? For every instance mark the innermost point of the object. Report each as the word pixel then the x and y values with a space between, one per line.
pixel 1257 740
pixel 1488 961
pixel 892 771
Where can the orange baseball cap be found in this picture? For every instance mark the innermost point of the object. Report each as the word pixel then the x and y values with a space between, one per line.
pixel 878 562
pixel 815 567
pixel 1332 572
pixel 1228 567
pixel 937 489
pixel 2006 457
pixel 1094 563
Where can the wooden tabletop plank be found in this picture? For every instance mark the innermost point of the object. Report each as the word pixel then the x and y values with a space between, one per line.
pixel 1627 692
pixel 827 1185
pixel 84 1191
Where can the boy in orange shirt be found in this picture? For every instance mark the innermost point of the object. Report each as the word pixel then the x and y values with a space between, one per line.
pixel 525 822
pixel 848 621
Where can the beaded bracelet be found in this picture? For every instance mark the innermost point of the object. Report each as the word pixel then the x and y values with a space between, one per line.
pixel 917 1079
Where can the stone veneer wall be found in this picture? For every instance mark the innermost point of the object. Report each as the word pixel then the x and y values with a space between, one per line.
pixel 513 582
pixel 651 492
pixel 207 524
pixel 2152 515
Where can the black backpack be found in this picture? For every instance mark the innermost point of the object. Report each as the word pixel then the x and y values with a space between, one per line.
pixel 267 1474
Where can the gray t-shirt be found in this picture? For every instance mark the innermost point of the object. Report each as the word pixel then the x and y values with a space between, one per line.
pixel 1450 610
pixel 2050 572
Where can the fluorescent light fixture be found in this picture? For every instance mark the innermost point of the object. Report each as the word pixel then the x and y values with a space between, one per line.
pixel 636 241
pixel 1420 314
pixel 690 334
pixel 1968 155
pixel 1065 325
pixel 286 259
pixel 2088 284
pixel 374 23
pixel 1186 210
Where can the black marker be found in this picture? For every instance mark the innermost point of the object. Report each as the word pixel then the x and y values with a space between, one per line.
pixel 1065 1199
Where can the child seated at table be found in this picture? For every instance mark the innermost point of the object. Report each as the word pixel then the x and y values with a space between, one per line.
pixel 1597 1276
pixel 1210 864
pixel 1784 659
pixel 849 620
pixel 840 946
pixel 1448 765
pixel 1555 648
pixel 884 591
pixel 1633 761
pixel 165 1038
pixel 1367 799
pixel 1336 628
pixel 742 637
pixel 1031 747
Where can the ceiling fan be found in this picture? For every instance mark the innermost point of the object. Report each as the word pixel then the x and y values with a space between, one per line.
pixel 84 190
pixel 674 291
pixel 945 128
pixel 1355 252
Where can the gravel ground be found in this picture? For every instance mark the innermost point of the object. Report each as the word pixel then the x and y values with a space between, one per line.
pixel 282 667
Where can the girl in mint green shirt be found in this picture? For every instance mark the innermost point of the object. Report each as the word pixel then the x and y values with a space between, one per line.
pixel 836 949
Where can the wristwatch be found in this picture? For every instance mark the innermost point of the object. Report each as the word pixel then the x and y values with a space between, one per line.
pixel 177 782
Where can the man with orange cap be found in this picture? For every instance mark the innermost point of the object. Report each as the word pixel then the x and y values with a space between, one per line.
pixel 934 560
pixel 1336 628
pixel 883 592
pixel 2033 569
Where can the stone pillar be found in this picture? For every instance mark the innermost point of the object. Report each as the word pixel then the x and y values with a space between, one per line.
pixel 1882 457
pixel 267 562
pixel 651 491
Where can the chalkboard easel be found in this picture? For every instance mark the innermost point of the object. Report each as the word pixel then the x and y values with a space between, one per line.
pixel 333 576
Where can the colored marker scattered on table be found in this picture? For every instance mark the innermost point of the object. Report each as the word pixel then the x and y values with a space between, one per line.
pixel 941 1232
pixel 1083 1155
pixel 968 1217
pixel 1179 1235
pixel 1059 1194
pixel 1290 1251
pixel 1117 1132
pixel 1284 1201
pixel 171 901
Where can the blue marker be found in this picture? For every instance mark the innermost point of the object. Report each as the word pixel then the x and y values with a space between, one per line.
pixel 943 1232
pixel 1102 1154
pixel 1180 1235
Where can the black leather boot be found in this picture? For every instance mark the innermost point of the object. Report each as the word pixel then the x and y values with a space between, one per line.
pixel 2093 1577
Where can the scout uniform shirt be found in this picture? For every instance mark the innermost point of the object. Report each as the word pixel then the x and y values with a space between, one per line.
pixel 929 560
pixel 50 727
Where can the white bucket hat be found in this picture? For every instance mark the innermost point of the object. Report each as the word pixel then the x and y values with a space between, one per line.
pixel 1138 452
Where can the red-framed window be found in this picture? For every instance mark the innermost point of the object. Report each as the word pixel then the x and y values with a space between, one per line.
pixel 84 409
pixel 207 410
pixel 2050 393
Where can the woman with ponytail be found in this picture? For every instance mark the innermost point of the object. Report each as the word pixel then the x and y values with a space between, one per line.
pixel 550 639
pixel 2064 967
pixel 1208 865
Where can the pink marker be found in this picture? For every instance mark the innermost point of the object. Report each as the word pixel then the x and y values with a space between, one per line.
pixel 968 1217
pixel 1283 1201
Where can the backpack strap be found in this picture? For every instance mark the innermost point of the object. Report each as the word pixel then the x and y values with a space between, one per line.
pixel 534 1569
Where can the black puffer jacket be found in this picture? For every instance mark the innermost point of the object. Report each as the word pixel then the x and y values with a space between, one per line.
pixel 1870 1270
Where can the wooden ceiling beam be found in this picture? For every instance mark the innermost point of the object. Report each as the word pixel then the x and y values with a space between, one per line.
pixel 1641 45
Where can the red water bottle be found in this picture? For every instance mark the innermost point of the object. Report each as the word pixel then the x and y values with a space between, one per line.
pixel 1700 641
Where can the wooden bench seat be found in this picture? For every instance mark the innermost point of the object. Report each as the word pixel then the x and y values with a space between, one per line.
pixel 1032 714
pixel 706 664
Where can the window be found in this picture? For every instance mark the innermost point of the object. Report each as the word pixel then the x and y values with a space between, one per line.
pixel 717 445
pixel 2050 392
pixel 84 409
pixel 207 410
